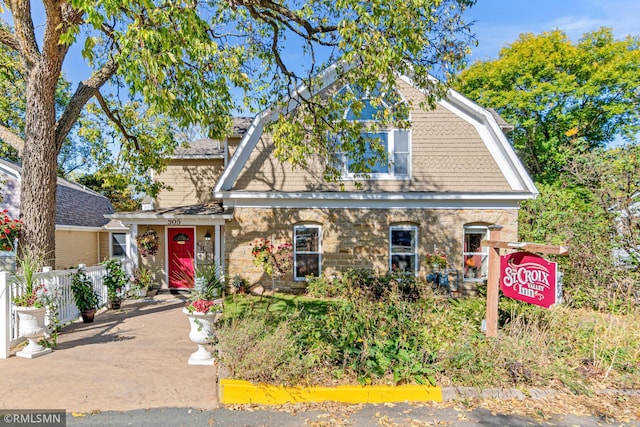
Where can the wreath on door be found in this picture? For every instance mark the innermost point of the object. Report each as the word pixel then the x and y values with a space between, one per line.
pixel 147 243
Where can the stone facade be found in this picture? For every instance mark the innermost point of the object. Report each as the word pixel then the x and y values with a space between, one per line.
pixel 355 237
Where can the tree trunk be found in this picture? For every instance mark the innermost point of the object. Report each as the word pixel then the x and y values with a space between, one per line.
pixel 39 179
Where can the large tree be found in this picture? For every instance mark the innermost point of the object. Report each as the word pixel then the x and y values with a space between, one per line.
pixel 562 97
pixel 180 62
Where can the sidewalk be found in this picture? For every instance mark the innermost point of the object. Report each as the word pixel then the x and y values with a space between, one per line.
pixel 133 358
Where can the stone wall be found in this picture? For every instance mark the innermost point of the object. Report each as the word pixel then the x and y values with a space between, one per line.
pixel 355 237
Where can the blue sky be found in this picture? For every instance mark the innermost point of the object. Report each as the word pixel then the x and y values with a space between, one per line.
pixel 499 22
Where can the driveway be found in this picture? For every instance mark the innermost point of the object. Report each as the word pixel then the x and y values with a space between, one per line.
pixel 133 358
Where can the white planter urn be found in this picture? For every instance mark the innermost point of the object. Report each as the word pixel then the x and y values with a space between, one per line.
pixel 202 333
pixel 31 327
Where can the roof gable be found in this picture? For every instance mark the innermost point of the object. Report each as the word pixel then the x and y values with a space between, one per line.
pixel 495 147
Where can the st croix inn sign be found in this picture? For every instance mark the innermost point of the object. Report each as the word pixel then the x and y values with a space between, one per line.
pixel 521 275
pixel 530 278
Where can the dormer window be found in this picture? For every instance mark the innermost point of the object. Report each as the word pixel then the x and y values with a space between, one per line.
pixel 369 109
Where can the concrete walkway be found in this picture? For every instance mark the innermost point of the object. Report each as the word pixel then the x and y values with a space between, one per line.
pixel 133 358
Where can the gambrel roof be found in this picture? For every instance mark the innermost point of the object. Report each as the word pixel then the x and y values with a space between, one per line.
pixel 461 158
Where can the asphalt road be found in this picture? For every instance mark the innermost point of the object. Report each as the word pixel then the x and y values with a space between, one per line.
pixel 357 416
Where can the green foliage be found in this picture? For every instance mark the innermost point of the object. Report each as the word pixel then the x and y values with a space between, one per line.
pixel 115 280
pixel 212 282
pixel 563 98
pixel 431 340
pixel 260 352
pixel 362 283
pixel 119 193
pixel 84 295
pixel 74 153
pixel 180 64
pixel 613 177
pixel 574 216
pixel 29 264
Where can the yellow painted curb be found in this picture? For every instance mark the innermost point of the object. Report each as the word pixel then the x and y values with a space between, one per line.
pixel 243 392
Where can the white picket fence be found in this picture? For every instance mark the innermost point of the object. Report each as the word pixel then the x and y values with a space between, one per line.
pixel 58 280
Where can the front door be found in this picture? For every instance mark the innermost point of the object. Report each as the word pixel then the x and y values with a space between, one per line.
pixel 181 249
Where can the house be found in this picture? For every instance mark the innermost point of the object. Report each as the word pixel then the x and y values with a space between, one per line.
pixel 450 176
pixel 82 236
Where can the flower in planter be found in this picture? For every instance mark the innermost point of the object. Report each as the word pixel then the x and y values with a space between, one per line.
pixel 204 306
pixel 31 282
pixel 204 298
pixel 142 278
pixel 115 280
pixel 9 231
pixel 437 258
pixel 148 243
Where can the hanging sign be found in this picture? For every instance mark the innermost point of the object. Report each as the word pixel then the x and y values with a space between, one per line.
pixel 528 277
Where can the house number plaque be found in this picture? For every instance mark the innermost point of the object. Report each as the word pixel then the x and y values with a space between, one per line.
pixel 174 222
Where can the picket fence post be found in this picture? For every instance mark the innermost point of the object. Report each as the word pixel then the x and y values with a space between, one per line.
pixel 5 315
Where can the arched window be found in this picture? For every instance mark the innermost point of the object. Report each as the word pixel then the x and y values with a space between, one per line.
pixel 395 142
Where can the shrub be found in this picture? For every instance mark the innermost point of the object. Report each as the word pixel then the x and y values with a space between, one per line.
pixel 255 351
pixel 363 283
pixel 378 332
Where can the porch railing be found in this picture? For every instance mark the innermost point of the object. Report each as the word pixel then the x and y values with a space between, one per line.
pixel 60 280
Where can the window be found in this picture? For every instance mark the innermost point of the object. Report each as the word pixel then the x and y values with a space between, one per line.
pixel 306 251
pixel 403 248
pixel 118 245
pixel 474 255
pixel 394 142
pixel 396 162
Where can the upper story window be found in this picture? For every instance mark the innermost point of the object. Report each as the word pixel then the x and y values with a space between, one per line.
pixel 390 147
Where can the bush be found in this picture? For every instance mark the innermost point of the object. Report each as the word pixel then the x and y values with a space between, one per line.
pixel 378 332
pixel 363 283
pixel 255 351
pixel 593 277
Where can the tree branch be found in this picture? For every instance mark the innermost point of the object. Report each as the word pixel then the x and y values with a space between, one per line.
pixel 270 12
pixel 24 32
pixel 9 40
pixel 12 139
pixel 115 118
pixel 53 51
pixel 86 90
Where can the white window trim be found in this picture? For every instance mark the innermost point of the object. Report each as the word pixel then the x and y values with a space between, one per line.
pixel 414 228
pixel 127 239
pixel 484 251
pixel 296 252
pixel 390 175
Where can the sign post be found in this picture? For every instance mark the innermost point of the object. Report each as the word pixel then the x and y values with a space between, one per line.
pixel 493 279
pixel 533 275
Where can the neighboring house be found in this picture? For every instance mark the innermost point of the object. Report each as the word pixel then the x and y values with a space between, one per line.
pixel 449 177
pixel 81 233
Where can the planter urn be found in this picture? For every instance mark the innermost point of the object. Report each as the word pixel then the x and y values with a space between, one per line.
pixel 202 333
pixel 31 327
pixel 88 316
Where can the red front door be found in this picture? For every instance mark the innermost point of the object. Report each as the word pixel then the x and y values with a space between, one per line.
pixel 181 248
